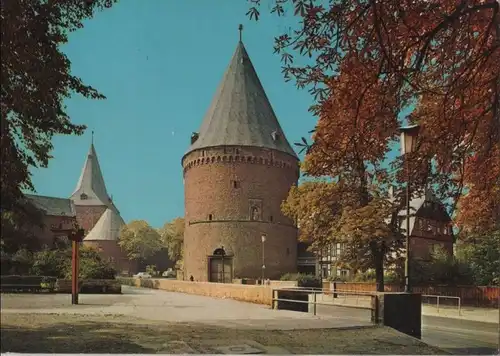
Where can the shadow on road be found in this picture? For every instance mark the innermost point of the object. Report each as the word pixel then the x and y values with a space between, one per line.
pixel 85 337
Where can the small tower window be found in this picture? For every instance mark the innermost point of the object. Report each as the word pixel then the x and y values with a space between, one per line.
pixel 237 151
pixel 270 218
pixel 255 214
pixel 287 251
pixel 235 184
pixel 210 217
pixel 275 135
pixel 194 137
pixel 83 196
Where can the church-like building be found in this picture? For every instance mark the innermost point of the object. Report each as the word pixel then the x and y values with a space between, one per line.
pixel 89 207
pixel 237 171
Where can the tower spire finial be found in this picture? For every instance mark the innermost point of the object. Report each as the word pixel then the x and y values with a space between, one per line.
pixel 92 136
pixel 240 28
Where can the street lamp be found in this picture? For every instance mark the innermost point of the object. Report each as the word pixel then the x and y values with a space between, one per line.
pixel 263 238
pixel 409 136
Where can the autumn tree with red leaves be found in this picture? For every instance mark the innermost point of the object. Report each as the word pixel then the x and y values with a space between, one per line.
pixel 370 61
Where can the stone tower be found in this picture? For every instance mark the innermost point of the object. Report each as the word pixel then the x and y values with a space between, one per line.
pixel 97 214
pixel 237 171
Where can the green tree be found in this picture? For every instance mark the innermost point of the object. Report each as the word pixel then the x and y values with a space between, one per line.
pixel 140 240
pixel 36 79
pixel 482 253
pixel 172 234
pixel 327 213
pixel 18 226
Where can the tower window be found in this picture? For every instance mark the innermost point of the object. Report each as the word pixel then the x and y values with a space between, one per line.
pixel 210 217
pixel 255 214
pixel 287 251
pixel 83 196
pixel 237 151
pixel 235 184
pixel 270 218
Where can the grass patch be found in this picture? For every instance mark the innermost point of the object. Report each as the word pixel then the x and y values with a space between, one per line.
pixel 65 333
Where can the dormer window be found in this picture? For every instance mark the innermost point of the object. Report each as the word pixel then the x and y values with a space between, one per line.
pixel 275 135
pixel 194 137
pixel 83 196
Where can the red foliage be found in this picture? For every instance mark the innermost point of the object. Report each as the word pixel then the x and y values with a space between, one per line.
pixel 375 59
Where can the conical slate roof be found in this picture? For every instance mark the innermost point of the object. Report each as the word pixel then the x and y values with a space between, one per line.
pixel 91 189
pixel 240 113
pixel 107 228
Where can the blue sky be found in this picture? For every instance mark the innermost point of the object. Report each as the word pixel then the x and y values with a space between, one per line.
pixel 159 63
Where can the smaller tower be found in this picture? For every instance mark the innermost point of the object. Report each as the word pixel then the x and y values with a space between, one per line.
pixel 97 214
pixel 90 197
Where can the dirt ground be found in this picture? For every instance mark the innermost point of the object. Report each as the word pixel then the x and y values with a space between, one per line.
pixel 65 333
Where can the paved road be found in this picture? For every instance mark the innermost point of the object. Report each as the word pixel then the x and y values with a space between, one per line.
pixel 456 336
pixel 460 337
pixel 159 305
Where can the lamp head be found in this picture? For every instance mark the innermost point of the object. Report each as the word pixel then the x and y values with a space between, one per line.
pixel 409 136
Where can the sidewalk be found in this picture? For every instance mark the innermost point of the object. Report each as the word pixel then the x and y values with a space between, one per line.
pixel 486 315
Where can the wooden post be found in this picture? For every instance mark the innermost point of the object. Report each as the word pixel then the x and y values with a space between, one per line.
pixel 76 237
pixel 74 273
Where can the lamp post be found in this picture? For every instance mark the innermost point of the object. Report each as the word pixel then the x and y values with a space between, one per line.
pixel 409 136
pixel 76 237
pixel 263 238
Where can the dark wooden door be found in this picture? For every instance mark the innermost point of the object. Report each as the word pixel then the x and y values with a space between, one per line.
pixel 221 270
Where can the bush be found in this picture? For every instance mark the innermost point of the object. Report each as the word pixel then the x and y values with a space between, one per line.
pixel 51 263
pixel 57 263
pixel 303 280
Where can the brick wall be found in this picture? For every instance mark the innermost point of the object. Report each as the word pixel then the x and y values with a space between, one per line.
pixel 422 247
pixel 54 227
pixel 479 296
pixel 242 292
pixel 218 212
pixel 111 249
pixel 88 216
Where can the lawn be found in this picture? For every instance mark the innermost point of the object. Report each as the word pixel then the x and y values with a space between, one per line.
pixel 65 333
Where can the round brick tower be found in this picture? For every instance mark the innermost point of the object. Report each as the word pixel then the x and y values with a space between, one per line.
pixel 237 171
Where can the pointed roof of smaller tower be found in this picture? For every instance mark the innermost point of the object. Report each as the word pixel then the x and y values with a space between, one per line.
pixel 91 189
pixel 107 228
pixel 240 113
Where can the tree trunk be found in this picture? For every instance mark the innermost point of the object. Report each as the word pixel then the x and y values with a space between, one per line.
pixel 379 272
pixel 378 262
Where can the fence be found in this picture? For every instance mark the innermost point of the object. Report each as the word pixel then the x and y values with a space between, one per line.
pixel 308 300
pixel 480 296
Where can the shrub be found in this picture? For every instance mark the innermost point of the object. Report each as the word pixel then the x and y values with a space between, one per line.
pixel 51 263
pixel 57 263
pixel 303 280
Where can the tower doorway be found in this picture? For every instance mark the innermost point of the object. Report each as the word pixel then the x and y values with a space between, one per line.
pixel 220 267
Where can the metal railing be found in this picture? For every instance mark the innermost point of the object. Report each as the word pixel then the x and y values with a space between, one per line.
pixel 444 297
pixel 319 291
